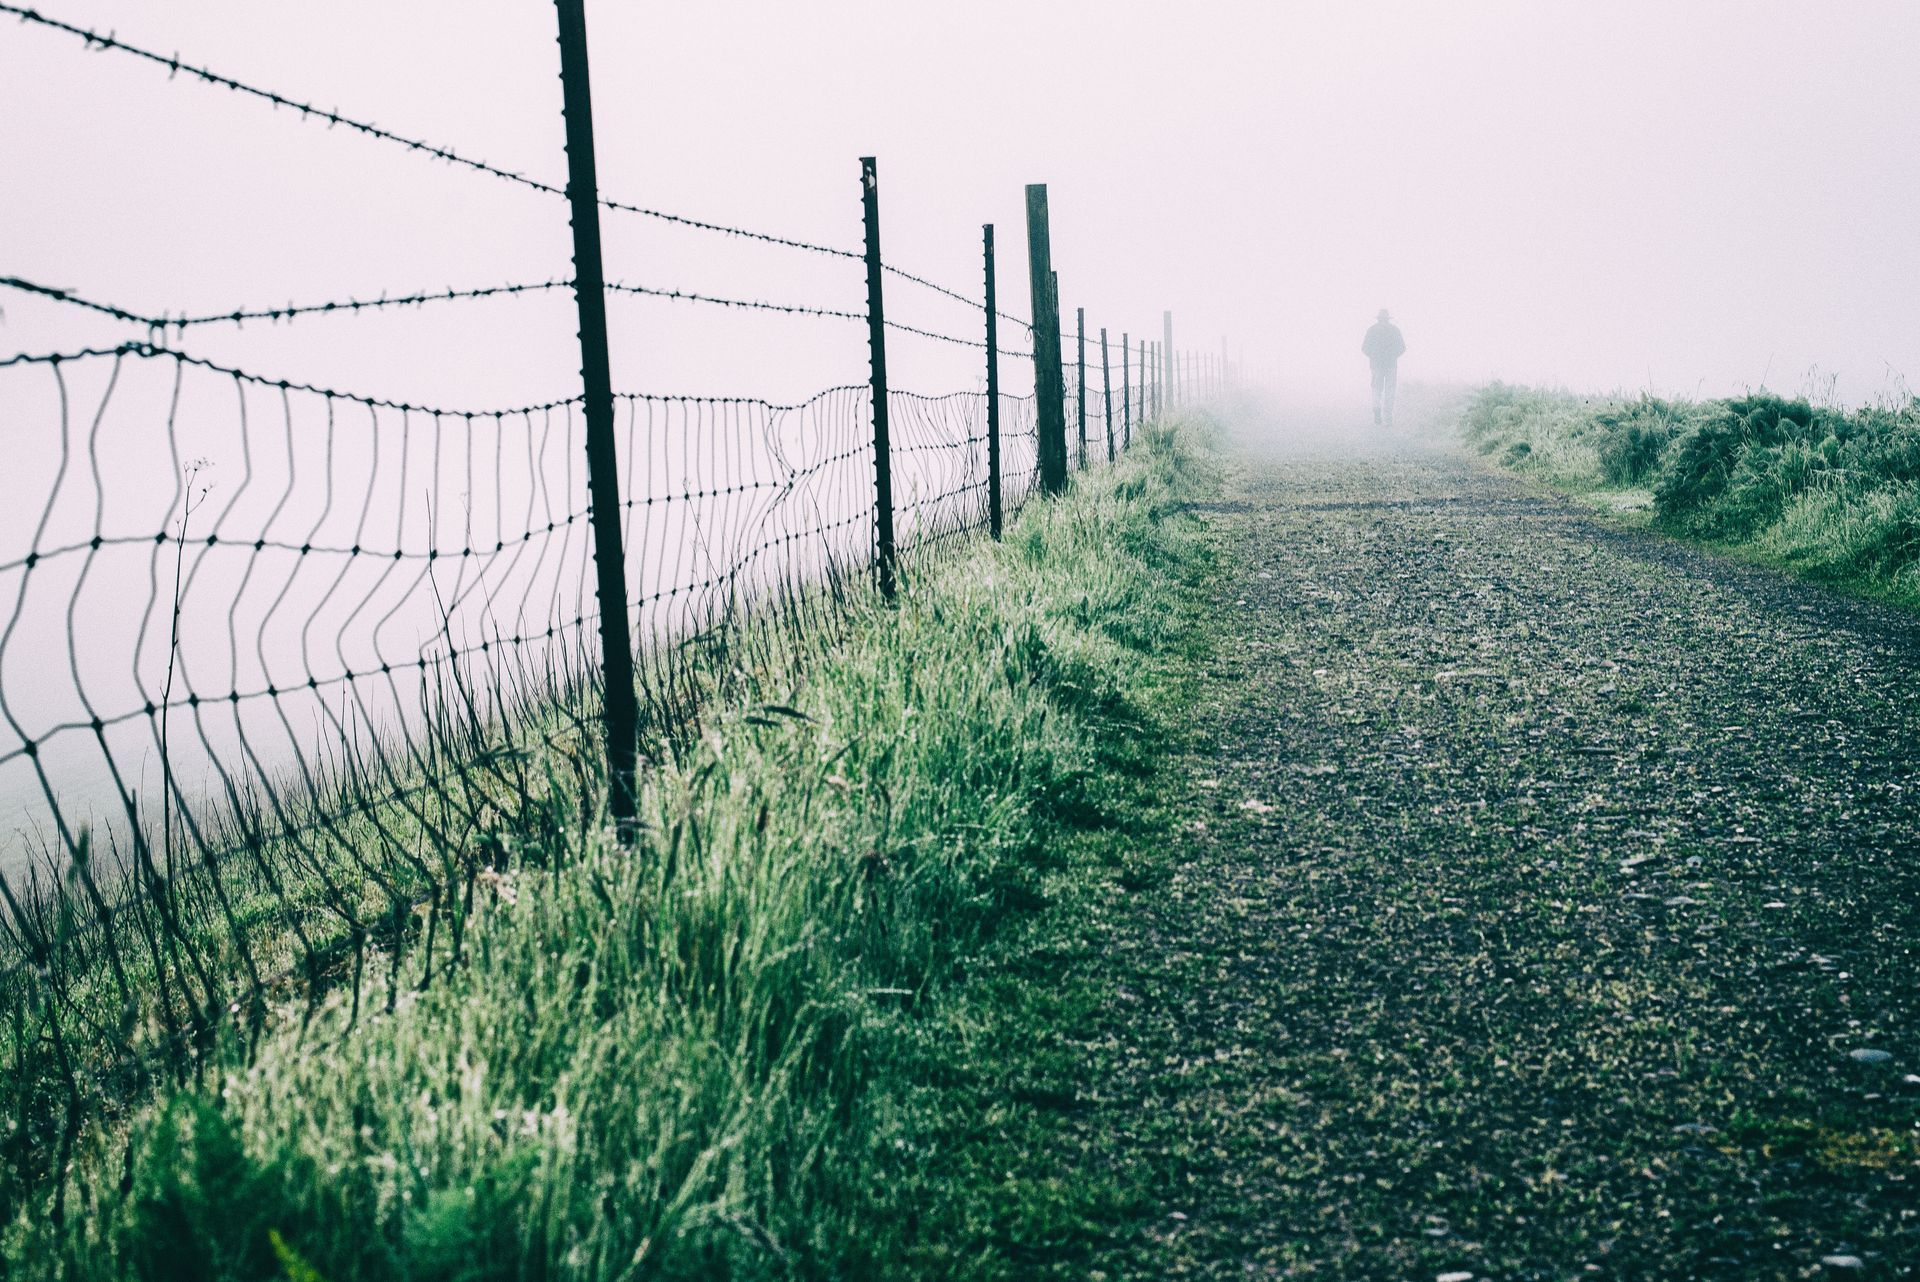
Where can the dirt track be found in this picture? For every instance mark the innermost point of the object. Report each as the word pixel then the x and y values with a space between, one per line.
pixel 1550 877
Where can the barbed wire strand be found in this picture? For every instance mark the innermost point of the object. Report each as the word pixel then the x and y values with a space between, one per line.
pixel 352 306
pixel 262 380
pixel 332 117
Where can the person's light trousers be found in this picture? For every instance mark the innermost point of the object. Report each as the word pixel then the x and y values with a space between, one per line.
pixel 1384 377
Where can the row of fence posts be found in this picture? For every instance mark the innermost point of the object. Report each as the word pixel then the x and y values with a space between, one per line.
pixel 1167 377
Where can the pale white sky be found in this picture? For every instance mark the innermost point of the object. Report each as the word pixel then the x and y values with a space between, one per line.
pixel 1683 195
pixel 1676 196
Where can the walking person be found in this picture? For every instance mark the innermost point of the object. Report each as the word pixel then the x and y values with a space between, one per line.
pixel 1383 346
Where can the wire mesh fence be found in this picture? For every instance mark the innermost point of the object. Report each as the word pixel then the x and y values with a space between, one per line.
pixel 285 670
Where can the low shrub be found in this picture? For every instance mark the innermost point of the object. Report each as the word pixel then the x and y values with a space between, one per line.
pixel 1731 473
pixel 1830 493
pixel 1634 439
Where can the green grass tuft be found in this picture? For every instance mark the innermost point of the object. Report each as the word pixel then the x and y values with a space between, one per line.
pixel 1831 494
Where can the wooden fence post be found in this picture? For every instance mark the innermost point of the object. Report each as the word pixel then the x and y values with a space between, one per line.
pixel 877 347
pixel 1150 373
pixel 994 512
pixel 1080 362
pixel 622 708
pixel 1048 394
pixel 1126 391
pixel 1146 401
pixel 1170 389
pixel 1106 394
pixel 1066 458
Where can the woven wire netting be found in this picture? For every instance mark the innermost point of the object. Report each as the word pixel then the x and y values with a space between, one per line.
pixel 286 671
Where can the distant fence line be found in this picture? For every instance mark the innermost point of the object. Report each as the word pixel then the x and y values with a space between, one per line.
pixel 263 726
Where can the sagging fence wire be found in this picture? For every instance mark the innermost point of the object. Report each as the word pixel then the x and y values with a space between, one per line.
pixel 332 118
pixel 161 323
pixel 290 674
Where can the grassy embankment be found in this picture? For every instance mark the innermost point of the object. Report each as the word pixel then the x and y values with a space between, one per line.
pixel 775 1038
pixel 1831 494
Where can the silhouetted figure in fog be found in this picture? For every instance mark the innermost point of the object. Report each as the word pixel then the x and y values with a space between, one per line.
pixel 1383 346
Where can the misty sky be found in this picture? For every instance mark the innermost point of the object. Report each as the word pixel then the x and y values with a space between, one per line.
pixel 1698 197
pixel 1681 196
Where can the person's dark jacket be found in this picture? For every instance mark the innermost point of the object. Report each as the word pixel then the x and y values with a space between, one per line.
pixel 1383 343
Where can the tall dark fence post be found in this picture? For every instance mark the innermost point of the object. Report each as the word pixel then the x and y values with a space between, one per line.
pixel 1143 401
pixel 1126 391
pixel 877 347
pixel 994 513
pixel 1147 386
pixel 1048 394
pixel 1150 381
pixel 1053 283
pixel 1080 364
pixel 1106 394
pixel 622 711
pixel 1170 389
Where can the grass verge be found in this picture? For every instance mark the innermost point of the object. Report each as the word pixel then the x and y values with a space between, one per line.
pixel 1832 495
pixel 763 1041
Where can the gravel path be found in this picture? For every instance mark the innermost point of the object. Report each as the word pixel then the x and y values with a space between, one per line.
pixel 1552 913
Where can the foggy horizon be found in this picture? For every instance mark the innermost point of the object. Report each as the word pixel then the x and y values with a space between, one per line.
pixel 1683 199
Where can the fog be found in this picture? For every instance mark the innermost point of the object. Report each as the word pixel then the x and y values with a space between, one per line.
pixel 1682 197
pixel 1685 199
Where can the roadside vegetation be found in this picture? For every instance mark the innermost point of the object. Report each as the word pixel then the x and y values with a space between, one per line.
pixel 765 1039
pixel 1832 494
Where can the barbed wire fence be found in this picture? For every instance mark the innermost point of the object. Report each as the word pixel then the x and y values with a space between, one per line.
pixel 413 642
